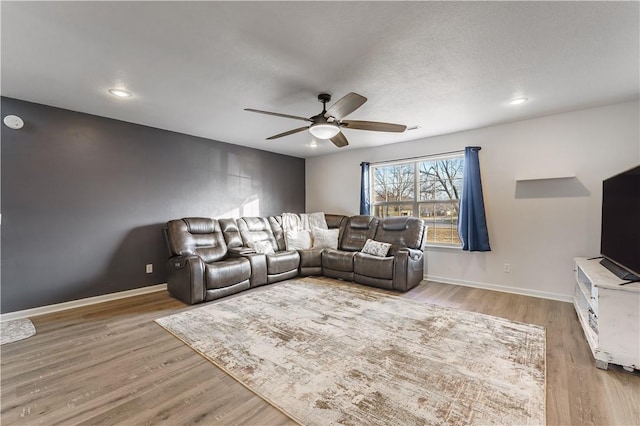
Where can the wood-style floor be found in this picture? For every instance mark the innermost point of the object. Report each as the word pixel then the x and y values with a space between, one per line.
pixel 111 364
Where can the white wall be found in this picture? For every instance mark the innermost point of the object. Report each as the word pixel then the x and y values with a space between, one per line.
pixel 536 226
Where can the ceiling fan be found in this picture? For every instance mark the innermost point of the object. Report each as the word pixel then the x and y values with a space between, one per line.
pixel 328 123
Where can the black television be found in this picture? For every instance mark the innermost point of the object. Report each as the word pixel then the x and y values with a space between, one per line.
pixel 620 239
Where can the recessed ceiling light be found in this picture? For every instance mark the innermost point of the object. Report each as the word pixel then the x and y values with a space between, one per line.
pixel 518 101
pixel 120 93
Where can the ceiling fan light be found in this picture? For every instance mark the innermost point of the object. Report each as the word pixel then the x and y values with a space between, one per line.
pixel 324 130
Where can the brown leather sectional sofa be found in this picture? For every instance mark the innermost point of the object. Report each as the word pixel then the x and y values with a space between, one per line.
pixel 213 258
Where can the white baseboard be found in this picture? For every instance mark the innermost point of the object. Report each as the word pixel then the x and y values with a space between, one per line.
pixel 161 287
pixel 502 288
pixel 81 302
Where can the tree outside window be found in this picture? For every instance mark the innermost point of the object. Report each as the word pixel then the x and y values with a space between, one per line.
pixel 437 182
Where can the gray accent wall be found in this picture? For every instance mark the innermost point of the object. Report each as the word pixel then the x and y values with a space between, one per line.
pixel 85 198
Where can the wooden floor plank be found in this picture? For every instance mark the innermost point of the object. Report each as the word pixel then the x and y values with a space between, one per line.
pixel 110 364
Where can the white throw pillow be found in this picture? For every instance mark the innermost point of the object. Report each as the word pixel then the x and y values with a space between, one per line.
pixel 325 238
pixel 298 240
pixel 376 248
pixel 262 247
pixel 317 220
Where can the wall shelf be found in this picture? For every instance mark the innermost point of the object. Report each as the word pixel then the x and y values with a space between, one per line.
pixel 545 177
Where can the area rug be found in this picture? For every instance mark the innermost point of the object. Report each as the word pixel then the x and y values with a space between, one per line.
pixel 15 330
pixel 333 353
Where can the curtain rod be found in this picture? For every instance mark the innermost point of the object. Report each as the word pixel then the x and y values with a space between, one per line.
pixel 422 156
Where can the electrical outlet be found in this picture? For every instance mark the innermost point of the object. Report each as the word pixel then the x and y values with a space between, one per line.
pixel 149 268
pixel 506 268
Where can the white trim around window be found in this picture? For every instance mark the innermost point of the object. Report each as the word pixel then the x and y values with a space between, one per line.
pixel 427 187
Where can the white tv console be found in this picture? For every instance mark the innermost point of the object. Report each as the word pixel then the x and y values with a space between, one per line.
pixel 609 314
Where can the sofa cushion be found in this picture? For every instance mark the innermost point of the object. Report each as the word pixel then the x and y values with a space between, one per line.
pixel 401 232
pixel 376 248
pixel 360 222
pixel 282 261
pixel 231 232
pixel 200 225
pixel 338 260
pixel 310 258
pixel 334 220
pixel 256 229
pixel 357 230
pixel 196 236
pixel 226 272
pixel 278 232
pixel 373 266
pixel 395 223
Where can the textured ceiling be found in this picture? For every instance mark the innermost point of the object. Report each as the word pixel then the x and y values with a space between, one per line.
pixel 194 66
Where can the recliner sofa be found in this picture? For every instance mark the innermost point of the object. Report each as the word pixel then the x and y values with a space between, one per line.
pixel 200 268
pixel 338 263
pixel 213 258
pixel 403 267
pixel 279 265
pixel 311 259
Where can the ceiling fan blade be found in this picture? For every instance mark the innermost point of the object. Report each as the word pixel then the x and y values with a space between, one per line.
pixel 339 140
pixel 290 132
pixel 345 106
pixel 277 114
pixel 375 126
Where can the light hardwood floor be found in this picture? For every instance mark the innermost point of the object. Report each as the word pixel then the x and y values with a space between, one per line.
pixel 111 364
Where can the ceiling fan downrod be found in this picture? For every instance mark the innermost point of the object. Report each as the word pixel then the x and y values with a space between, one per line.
pixel 324 98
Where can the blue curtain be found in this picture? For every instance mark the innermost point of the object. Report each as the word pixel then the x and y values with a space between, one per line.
pixel 365 202
pixel 472 222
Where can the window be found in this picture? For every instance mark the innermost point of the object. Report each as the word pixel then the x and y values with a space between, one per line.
pixel 429 188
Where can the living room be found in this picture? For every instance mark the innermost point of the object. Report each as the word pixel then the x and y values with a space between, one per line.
pixel 87 189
